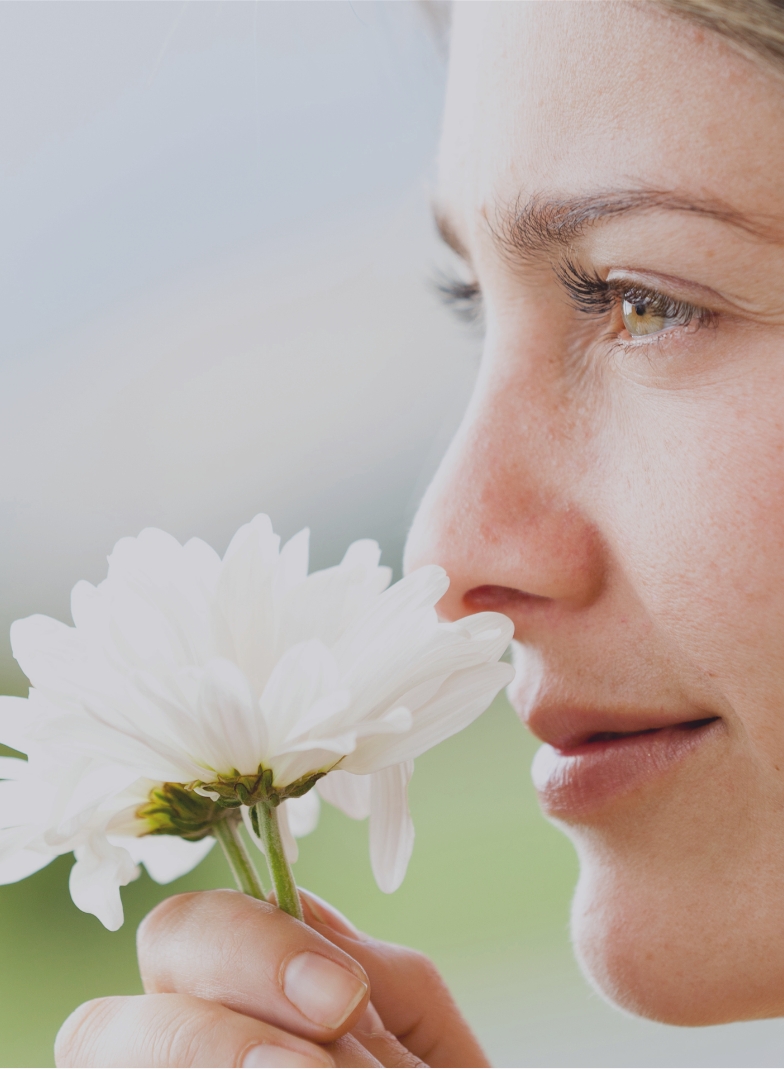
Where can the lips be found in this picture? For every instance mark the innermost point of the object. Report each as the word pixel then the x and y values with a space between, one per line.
pixel 589 760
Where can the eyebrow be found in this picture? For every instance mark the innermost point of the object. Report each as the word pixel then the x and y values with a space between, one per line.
pixel 546 225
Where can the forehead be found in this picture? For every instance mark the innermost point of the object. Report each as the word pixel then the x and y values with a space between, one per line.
pixel 570 97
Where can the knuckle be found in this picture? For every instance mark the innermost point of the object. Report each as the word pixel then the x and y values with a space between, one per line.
pixel 181 1039
pixel 421 969
pixel 78 1040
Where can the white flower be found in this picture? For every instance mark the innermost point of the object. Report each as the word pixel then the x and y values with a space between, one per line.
pixel 50 807
pixel 246 678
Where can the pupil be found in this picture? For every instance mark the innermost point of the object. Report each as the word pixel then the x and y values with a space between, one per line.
pixel 640 310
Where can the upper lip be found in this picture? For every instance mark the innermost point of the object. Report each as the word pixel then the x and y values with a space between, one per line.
pixel 568 727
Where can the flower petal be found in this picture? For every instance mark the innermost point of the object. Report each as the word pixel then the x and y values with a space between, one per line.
pixel 230 728
pixel 293 563
pixel 21 864
pixel 12 767
pixel 51 654
pixel 303 813
pixel 100 871
pixel 303 675
pixel 391 827
pixel 18 717
pixel 244 617
pixel 287 838
pixel 166 857
pixel 347 792
pixel 459 701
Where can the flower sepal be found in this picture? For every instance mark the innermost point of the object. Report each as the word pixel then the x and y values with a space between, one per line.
pixel 234 790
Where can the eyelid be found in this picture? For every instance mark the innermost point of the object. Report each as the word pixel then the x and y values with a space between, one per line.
pixel 676 289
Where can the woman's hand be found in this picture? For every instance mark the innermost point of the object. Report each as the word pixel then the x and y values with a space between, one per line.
pixel 232 981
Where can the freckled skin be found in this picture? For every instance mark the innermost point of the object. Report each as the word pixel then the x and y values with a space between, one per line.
pixel 636 488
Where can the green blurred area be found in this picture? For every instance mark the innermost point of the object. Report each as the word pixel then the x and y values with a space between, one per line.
pixel 489 879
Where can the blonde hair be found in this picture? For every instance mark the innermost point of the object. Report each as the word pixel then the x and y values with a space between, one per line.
pixel 756 27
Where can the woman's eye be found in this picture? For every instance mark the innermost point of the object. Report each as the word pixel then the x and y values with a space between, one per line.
pixel 650 313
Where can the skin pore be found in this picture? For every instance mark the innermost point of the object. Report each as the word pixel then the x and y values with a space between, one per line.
pixel 611 177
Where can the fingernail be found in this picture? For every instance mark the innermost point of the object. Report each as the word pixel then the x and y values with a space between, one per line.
pixel 322 990
pixel 266 1056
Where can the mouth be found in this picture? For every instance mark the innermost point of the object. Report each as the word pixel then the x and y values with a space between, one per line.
pixel 580 772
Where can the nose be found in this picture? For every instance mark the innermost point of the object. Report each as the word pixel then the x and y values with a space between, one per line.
pixel 505 514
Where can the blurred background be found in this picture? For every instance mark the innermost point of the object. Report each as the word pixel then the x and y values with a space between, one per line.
pixel 215 279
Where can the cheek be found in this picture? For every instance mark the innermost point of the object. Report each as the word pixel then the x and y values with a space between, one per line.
pixel 693 494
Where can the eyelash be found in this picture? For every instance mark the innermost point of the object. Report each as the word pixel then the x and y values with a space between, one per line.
pixel 597 296
pixel 588 293
pixel 464 299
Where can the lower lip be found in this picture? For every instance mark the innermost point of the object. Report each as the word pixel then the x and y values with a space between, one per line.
pixel 575 782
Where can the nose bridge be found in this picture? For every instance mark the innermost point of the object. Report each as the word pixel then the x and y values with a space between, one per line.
pixel 504 509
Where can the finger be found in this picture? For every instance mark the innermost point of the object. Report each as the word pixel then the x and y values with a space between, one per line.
pixel 375 1038
pixel 348 1051
pixel 407 990
pixel 176 1030
pixel 229 948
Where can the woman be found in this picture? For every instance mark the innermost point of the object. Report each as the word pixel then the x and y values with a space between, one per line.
pixel 611 175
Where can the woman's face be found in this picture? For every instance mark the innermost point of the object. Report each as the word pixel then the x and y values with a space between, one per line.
pixel 612 176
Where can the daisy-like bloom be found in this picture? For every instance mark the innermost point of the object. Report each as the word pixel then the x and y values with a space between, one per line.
pixel 50 807
pixel 235 686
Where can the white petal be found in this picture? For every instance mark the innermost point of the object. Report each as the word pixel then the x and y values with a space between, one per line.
pixel 460 700
pixel 306 673
pixel 411 600
pixel 492 629
pixel 18 717
pixel 24 802
pixel 244 617
pixel 315 719
pixel 256 540
pixel 337 744
pixel 230 727
pixel 213 795
pixel 51 654
pixel 293 563
pixel 166 857
pixel 391 827
pixel 289 842
pixel 156 604
pixel 94 784
pixel 21 864
pixel 347 792
pixel 303 813
pixel 364 553
pixel 203 563
pixel 12 767
pixel 529 675
pixel 100 871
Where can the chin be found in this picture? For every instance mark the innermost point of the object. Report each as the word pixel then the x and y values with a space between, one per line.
pixel 682 959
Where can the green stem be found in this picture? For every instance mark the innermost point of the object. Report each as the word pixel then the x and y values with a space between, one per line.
pixel 227 832
pixel 280 870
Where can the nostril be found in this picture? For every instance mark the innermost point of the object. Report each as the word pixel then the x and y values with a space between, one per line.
pixel 499 598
